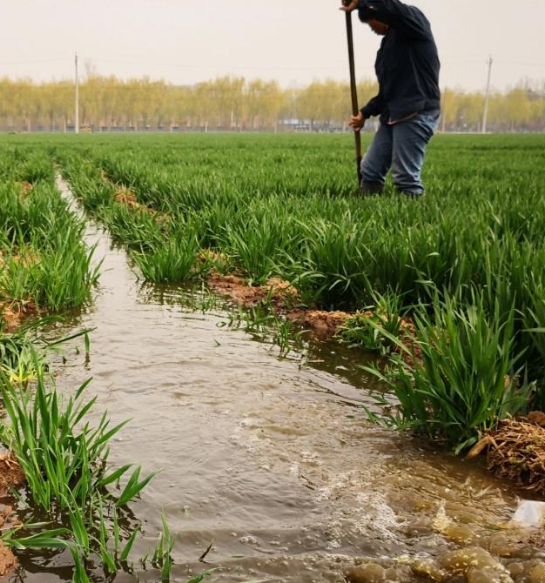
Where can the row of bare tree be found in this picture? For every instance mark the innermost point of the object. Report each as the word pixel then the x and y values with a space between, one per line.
pixel 109 104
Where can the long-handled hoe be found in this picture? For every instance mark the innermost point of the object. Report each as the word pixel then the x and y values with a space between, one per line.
pixel 353 88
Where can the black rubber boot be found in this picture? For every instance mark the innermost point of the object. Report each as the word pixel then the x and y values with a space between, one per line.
pixel 371 188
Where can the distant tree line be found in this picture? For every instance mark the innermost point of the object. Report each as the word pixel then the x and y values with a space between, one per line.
pixel 237 104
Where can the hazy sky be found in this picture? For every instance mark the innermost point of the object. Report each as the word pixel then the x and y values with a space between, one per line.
pixel 294 41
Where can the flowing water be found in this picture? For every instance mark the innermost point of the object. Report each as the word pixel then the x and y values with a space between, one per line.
pixel 271 460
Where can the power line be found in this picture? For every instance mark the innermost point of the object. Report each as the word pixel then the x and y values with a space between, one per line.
pixel 32 62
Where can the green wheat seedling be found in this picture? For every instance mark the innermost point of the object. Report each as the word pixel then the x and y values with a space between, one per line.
pixel 173 261
pixel 162 556
pixel 44 258
pixel 371 329
pixel 24 352
pixel 114 547
pixel 264 324
pixel 65 460
pixel 201 299
pixel 462 377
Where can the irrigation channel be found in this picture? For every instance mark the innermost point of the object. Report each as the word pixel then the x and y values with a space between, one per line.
pixel 271 459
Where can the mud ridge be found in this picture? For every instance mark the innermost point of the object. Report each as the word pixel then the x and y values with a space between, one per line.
pixel 282 296
pixel 14 313
pixel 127 197
pixel 11 475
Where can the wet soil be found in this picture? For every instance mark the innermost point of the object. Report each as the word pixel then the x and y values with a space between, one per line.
pixel 282 297
pixel 276 292
pixel 127 197
pixel 13 314
pixel 11 473
pixel 272 460
pixel 25 186
pixel 11 476
pixel 8 561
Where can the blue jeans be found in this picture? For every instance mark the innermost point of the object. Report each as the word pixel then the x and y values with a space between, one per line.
pixel 401 147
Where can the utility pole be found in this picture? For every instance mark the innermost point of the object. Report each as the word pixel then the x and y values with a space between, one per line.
pixel 487 96
pixel 76 112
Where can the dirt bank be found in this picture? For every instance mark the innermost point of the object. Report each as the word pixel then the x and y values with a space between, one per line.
pixel 14 313
pixel 11 475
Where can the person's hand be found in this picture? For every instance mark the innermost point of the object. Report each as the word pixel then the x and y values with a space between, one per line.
pixel 349 5
pixel 357 122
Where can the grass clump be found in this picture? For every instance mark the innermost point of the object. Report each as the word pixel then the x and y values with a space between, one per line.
pixel 69 481
pixel 62 464
pixel 171 261
pixel 372 328
pixel 65 462
pixel 461 377
pixel 42 255
pixel 264 324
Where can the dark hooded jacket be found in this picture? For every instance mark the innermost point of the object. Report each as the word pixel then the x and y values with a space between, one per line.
pixel 407 64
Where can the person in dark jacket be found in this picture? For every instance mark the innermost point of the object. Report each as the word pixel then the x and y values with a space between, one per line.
pixel 408 102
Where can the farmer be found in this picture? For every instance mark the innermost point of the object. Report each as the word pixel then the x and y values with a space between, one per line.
pixel 408 102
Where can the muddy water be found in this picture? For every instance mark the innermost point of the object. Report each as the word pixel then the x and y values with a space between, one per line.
pixel 271 459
